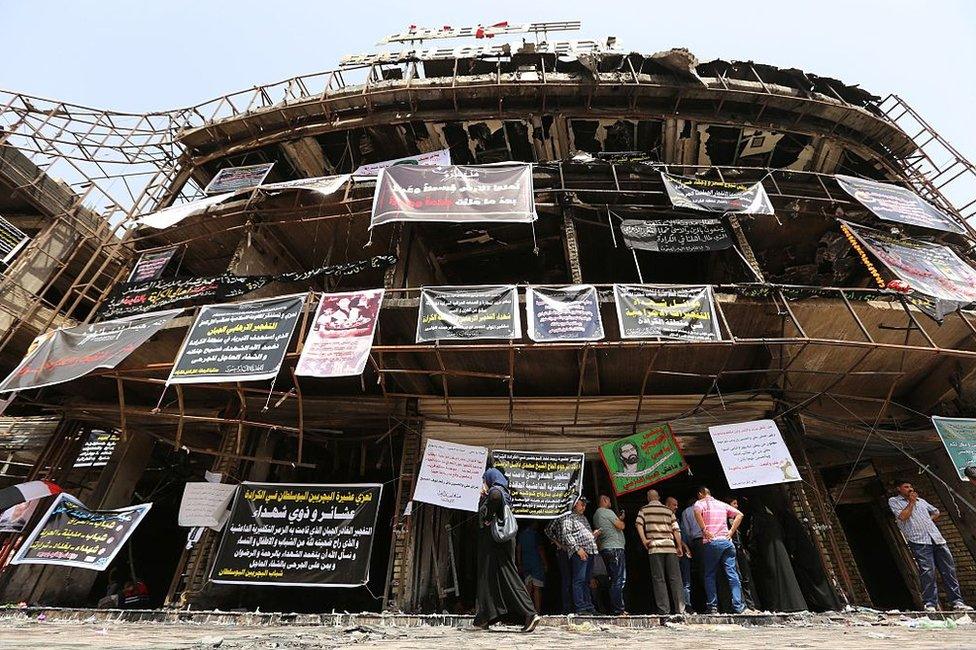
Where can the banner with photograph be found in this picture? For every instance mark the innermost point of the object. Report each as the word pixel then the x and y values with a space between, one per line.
pixel 454 194
pixel 441 158
pixel 244 341
pixel 893 203
pixel 542 485
pixel 451 475
pixel 299 535
pixel 753 453
pixel 569 313
pixel 66 354
pixel 16 518
pixel 683 313
pixel 717 196
pixel 341 336
pixel 151 265
pixel 232 179
pixel 465 313
pixel 126 300
pixel 676 235
pixel 97 449
pixel 959 438
pixel 642 459
pixel 932 269
pixel 71 535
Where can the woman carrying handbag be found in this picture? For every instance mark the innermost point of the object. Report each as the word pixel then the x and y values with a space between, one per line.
pixel 501 593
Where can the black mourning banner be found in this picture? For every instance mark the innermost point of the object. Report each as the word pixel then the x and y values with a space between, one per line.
pixel 141 298
pixel 716 196
pixel 72 535
pixel 63 355
pixel 245 341
pixel 97 449
pixel 893 203
pixel 681 313
pixel 465 313
pixel 676 235
pixel 542 485
pixel 151 265
pixel 299 535
pixel 564 313
pixel 454 193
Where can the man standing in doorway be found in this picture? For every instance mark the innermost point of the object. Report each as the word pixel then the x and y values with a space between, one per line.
pixel 691 532
pixel 684 557
pixel 713 517
pixel 916 519
pixel 658 530
pixel 611 543
pixel 573 535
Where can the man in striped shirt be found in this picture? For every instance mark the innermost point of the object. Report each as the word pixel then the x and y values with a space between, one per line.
pixel 658 530
pixel 718 551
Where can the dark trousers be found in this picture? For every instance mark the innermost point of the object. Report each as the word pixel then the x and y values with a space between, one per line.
pixel 566 580
pixel 582 571
pixel 930 557
pixel 666 577
pixel 617 573
pixel 719 555
pixel 685 564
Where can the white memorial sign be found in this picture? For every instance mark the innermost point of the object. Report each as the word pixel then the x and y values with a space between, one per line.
pixel 451 475
pixel 205 504
pixel 753 453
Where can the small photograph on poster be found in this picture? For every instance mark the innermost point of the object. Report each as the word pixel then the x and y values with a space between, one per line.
pixel 341 336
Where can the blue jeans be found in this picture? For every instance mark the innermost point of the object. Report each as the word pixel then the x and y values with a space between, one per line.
pixel 582 571
pixel 721 553
pixel 617 574
pixel 566 580
pixel 685 564
pixel 930 557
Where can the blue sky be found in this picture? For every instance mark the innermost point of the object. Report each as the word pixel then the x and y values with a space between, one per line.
pixel 155 55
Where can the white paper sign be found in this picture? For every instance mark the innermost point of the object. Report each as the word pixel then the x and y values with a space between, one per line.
pixel 451 475
pixel 440 157
pixel 205 504
pixel 753 453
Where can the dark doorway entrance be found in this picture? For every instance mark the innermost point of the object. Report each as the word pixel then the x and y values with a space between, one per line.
pixel 873 556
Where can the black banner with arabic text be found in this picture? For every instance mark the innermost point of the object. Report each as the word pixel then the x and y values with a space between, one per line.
pixel 542 485
pixel 464 313
pixel 676 235
pixel 682 313
pixel 302 535
pixel 716 196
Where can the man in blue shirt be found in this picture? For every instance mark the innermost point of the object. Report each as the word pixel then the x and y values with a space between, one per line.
pixel 916 519
pixel 691 536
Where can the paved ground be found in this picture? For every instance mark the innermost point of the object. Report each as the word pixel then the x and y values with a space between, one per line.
pixel 863 633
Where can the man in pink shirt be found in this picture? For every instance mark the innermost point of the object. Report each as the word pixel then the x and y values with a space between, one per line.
pixel 712 516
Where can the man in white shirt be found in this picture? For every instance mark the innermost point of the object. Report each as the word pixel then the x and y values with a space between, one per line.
pixel 916 519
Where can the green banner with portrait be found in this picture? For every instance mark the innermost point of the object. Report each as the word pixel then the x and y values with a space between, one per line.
pixel 642 459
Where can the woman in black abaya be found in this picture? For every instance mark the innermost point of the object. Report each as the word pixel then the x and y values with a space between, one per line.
pixel 501 595
pixel 771 566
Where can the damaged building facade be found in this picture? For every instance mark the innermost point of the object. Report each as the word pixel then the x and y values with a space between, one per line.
pixel 813 333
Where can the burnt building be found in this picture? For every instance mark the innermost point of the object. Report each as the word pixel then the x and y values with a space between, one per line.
pixel 813 333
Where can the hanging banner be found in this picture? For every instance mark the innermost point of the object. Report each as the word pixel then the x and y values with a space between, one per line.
pixel 126 300
pixel 440 158
pixel 682 313
pixel 97 449
pixel 454 194
pixel 716 196
pixel 932 269
pixel 232 179
pixel 299 535
pixel 451 475
pixel 342 334
pixel 151 265
pixel 959 438
pixel 542 485
pixel 63 355
pixel 16 518
pixel 642 459
pixel 71 535
pixel 465 313
pixel 244 341
pixel 676 235
pixel 753 453
pixel 321 185
pixel 204 504
pixel 892 203
pixel 564 313
pixel 12 240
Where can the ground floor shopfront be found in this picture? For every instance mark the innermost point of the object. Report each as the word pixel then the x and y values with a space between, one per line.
pixel 842 534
